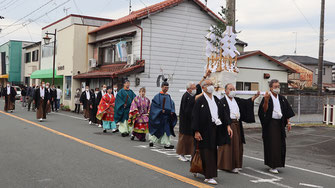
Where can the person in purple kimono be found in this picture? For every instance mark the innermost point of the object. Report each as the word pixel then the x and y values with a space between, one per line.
pixel 139 116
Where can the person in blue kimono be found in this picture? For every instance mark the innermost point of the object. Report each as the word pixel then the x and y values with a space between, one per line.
pixel 122 107
pixel 162 118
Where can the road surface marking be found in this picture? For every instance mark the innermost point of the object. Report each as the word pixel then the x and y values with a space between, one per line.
pixel 116 154
pixel 264 173
pixel 310 185
pixel 70 116
pixel 298 168
pixel 262 180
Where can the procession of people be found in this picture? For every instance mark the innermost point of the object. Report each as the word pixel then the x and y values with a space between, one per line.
pixel 211 125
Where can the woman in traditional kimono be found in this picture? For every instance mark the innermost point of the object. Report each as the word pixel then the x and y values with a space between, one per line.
pixel 139 116
pixel 106 111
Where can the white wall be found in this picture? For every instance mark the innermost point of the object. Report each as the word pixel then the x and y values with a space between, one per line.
pixel 250 74
pixel 174 45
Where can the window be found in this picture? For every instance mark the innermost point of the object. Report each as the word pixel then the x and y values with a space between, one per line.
pixel 3 63
pixel 48 50
pixel 28 57
pixel 239 86
pixel 247 86
pixel 110 54
pixel 68 88
pixel 323 71
pixel 35 55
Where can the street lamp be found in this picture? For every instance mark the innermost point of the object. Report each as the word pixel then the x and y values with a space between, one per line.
pixel 47 41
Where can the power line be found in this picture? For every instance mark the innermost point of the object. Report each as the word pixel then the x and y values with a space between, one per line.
pixel 75 4
pixel 33 20
pixel 310 24
pixel 28 14
pixel 2 1
pixel 9 4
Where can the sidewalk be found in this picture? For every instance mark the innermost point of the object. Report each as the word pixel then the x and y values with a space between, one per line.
pixel 304 118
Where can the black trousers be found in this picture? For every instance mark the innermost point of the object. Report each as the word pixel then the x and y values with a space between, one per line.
pixel 77 109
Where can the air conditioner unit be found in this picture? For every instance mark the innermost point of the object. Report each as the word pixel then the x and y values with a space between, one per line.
pixel 130 59
pixel 92 63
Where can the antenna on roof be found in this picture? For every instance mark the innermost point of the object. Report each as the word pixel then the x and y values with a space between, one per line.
pixel 65 10
pixel 296 39
pixel 129 6
pixel 206 2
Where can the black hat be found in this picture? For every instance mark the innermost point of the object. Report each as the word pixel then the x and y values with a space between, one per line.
pixel 125 81
pixel 109 87
pixel 165 83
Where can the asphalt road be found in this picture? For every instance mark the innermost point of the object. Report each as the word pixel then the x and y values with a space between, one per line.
pixel 64 151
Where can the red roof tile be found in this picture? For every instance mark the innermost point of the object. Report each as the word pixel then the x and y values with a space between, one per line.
pixel 111 71
pixel 152 9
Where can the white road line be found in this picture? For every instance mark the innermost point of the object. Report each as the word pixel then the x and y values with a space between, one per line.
pixel 310 185
pixel 70 116
pixel 298 168
pixel 262 180
pixel 261 172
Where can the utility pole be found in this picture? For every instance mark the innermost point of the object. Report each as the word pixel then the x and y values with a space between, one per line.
pixel 230 8
pixel 321 46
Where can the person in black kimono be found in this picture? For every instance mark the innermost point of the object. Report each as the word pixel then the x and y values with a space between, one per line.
pixel 211 126
pixel 9 94
pixel 230 156
pixel 95 106
pixel 186 140
pixel 274 113
pixel 87 100
pixel 41 100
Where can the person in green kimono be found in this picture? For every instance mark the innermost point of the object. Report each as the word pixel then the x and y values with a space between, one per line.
pixel 123 102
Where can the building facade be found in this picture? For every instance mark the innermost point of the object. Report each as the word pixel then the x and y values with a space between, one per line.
pixel 163 40
pixel 257 69
pixel 312 64
pixel 32 61
pixel 11 60
pixel 71 52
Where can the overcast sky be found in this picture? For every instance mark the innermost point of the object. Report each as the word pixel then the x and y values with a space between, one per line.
pixel 266 25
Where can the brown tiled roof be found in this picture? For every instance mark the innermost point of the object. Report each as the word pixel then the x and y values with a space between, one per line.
pixel 150 10
pixel 258 52
pixel 111 71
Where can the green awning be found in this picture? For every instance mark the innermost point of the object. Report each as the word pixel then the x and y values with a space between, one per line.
pixel 45 73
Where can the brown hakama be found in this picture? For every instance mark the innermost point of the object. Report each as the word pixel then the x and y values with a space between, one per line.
pixel 41 110
pixel 87 110
pixel 185 145
pixel 230 156
pixel 273 150
pixel 209 162
pixel 48 110
pixel 9 104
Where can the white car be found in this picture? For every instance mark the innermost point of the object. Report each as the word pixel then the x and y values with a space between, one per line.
pixel 18 92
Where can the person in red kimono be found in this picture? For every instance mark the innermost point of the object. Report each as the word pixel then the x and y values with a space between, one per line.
pixel 106 111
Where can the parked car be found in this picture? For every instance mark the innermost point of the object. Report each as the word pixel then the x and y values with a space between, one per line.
pixel 18 92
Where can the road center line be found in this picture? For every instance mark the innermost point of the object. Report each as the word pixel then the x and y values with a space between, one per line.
pixel 116 154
